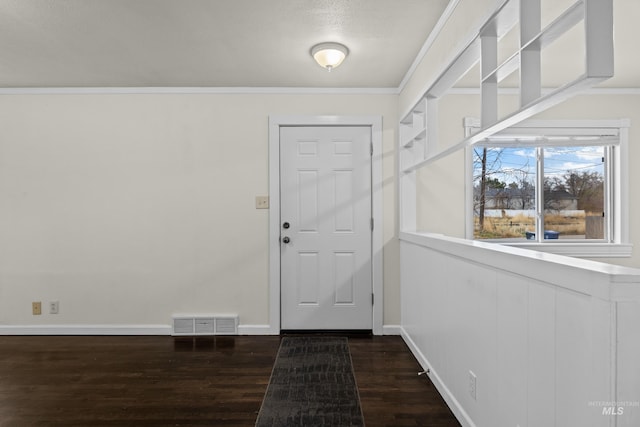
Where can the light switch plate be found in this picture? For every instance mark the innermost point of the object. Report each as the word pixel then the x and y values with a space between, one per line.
pixel 262 202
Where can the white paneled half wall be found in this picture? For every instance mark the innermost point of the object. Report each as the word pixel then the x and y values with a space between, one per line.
pixel 539 339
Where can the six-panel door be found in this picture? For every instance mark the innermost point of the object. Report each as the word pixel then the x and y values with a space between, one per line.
pixel 325 193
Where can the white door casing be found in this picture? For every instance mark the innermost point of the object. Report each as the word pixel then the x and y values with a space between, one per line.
pixel 325 211
pixel 375 125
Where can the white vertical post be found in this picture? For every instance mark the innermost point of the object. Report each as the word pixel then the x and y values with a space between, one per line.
pixel 469 222
pixel 598 23
pixel 431 139
pixel 621 198
pixel 489 88
pixel 407 199
pixel 540 195
pixel 530 64
pixel 609 179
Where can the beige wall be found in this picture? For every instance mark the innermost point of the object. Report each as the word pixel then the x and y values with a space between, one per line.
pixel 129 208
pixel 440 199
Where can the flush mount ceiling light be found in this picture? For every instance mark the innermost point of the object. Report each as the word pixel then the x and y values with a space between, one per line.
pixel 329 55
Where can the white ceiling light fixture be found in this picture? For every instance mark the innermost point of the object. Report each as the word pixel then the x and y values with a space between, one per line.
pixel 329 55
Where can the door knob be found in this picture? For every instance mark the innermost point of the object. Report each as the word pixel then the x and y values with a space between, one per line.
pixel 285 225
pixel 285 239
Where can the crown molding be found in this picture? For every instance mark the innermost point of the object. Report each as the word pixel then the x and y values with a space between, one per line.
pixel 198 90
pixel 271 91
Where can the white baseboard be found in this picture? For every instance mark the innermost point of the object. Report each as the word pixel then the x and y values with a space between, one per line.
pixel 139 330
pixel 457 409
pixel 256 330
pixel 115 330
pixel 85 330
pixel 391 330
pixel 268 330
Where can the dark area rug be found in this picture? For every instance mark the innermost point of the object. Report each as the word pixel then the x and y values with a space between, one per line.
pixel 312 384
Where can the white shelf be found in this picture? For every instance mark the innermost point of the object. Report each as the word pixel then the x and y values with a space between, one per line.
pixel 598 19
pixel 553 98
pixel 541 40
pixel 413 134
pixel 418 135
pixel 418 142
pixel 503 70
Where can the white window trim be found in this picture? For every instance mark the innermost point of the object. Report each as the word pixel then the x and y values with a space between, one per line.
pixel 618 202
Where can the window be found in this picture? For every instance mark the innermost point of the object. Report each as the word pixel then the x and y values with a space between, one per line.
pixel 550 184
pixel 571 186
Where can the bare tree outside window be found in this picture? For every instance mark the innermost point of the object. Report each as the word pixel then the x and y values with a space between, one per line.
pixel 504 189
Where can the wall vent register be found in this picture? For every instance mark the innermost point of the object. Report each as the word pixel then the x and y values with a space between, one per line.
pixel 191 325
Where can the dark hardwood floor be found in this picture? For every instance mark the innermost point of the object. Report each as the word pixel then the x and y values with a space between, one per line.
pixel 165 381
pixel 391 392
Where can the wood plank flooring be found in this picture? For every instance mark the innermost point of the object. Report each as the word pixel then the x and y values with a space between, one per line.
pixel 165 381
pixel 391 392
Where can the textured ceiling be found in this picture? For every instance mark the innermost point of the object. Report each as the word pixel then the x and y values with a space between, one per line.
pixel 217 43
pixel 248 43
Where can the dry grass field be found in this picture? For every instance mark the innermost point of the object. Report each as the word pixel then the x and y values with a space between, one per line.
pixel 516 226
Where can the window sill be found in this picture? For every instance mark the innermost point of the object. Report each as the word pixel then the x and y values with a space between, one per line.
pixel 570 249
pixel 579 250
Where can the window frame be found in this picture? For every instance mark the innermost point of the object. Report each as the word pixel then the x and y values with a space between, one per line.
pixel 616 241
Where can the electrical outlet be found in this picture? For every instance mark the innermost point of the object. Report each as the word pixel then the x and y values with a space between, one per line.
pixel 262 202
pixel 473 385
pixel 36 308
pixel 53 307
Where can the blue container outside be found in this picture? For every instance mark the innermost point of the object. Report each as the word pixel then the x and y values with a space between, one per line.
pixel 548 234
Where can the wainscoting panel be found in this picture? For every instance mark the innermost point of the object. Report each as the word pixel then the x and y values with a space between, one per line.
pixel 513 337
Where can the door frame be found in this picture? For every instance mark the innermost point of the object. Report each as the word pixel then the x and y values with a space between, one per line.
pixel 275 122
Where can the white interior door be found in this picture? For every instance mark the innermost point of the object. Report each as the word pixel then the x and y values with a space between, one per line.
pixel 325 220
